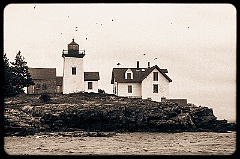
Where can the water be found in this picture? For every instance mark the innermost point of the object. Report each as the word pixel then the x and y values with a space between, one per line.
pixel 186 143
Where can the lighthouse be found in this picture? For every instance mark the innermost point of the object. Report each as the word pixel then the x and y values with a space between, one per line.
pixel 73 73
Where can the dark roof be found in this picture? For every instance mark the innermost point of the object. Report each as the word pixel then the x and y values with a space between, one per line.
pixel 138 74
pixel 59 80
pixel 91 76
pixel 50 73
pixel 78 55
pixel 42 73
pixel 73 42
pixel 164 70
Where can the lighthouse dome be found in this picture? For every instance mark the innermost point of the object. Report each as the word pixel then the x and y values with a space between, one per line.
pixel 73 46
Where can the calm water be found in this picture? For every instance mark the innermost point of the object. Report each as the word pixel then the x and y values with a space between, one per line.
pixel 186 143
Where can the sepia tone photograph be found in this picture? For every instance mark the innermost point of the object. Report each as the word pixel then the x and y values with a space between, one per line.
pixel 119 79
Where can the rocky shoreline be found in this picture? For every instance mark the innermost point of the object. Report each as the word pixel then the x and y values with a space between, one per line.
pixel 96 114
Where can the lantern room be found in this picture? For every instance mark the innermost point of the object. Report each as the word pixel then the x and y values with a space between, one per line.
pixel 73 50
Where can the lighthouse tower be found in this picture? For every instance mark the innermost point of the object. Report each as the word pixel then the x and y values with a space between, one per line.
pixel 73 73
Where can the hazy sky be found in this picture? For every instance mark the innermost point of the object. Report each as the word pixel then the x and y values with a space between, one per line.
pixel 195 42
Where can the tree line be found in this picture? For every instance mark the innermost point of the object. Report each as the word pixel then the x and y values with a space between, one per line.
pixel 16 75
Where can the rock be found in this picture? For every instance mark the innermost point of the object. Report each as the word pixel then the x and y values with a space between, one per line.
pixel 106 113
pixel 27 108
pixel 231 127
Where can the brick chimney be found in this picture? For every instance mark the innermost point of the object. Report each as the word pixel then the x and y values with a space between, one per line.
pixel 137 64
pixel 148 64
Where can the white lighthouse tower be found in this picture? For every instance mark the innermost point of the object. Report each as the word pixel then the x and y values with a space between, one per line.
pixel 73 73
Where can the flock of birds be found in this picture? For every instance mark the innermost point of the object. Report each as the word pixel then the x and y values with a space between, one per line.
pixel 76 29
pixel 143 55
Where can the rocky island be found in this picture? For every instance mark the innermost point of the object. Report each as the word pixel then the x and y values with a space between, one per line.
pixel 98 112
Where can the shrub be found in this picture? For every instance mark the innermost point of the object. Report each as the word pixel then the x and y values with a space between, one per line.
pixel 101 91
pixel 45 98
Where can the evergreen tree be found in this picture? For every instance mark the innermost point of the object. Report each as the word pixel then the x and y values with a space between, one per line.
pixel 20 75
pixel 7 74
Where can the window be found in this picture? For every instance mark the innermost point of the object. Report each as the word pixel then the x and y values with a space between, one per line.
pixel 155 88
pixel 90 85
pixel 129 88
pixel 155 76
pixel 44 86
pixel 75 47
pixel 70 47
pixel 38 86
pixel 129 76
pixel 74 70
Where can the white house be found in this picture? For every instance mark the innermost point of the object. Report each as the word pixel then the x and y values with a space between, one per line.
pixel 74 78
pixel 146 83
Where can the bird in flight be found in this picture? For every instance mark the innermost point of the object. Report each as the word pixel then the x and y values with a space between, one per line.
pixel 144 54
pixel 155 59
pixel 86 38
pixel 118 64
pixel 34 7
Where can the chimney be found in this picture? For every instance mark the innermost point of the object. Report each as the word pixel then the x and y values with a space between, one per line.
pixel 148 64
pixel 137 64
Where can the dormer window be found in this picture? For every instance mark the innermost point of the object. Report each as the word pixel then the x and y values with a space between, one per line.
pixel 129 74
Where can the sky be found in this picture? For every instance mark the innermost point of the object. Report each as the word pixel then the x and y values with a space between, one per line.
pixel 195 42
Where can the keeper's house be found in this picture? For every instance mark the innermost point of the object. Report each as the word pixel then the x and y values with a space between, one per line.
pixel 146 83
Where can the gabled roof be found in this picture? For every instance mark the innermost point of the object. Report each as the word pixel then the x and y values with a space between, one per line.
pixel 42 73
pixel 162 71
pixel 91 76
pixel 138 74
pixel 119 75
